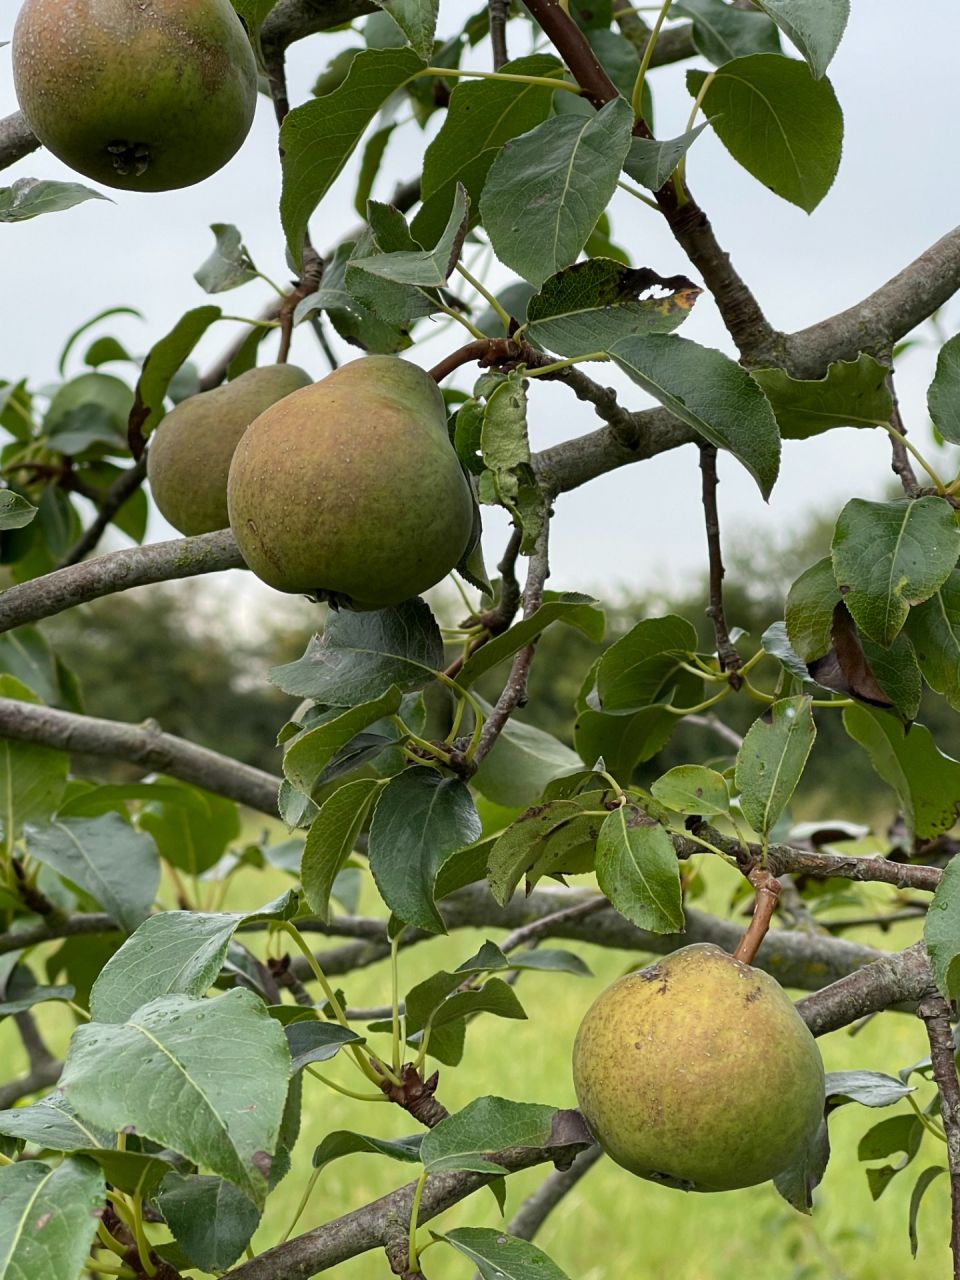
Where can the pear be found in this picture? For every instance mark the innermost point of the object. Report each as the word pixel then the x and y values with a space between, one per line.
pixel 698 1072
pixel 350 489
pixel 189 457
pixel 145 96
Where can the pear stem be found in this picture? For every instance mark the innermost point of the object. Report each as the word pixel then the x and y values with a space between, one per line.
pixel 768 890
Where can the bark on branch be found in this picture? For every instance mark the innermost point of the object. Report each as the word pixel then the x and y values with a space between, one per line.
pixel 146 745
pixel 16 139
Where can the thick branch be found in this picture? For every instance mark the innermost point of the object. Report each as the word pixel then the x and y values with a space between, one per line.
pixel 56 927
pixel 146 745
pixel 367 1228
pixel 935 1013
pixel 535 1210
pixel 883 318
pixel 292 20
pixel 16 139
pixel 118 571
pixel 902 978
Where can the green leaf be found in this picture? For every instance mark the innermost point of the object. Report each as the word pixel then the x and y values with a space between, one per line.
pixel 888 556
pixel 211 1219
pixel 772 759
pixel 651 162
pixel 852 393
pixel 800 1179
pixel 344 1143
pixel 640 667
pixel 481 117
pixel 775 119
pixel 927 782
pixel 637 869
pixel 360 655
pixel 941 933
pixel 162 362
pixel 48 1218
pixel 172 952
pixel 192 828
pixel 928 1176
pixel 52 1125
pixel 814 26
pixel 869 1088
pixel 87 325
pixel 710 392
pixel 809 612
pixel 373 153
pixel 229 265
pixel 354 323
pixel 486 1124
pixel 934 628
pixel 552 832
pixel 15 512
pixel 523 760
pixel 253 13
pixel 317 139
pixel 30 197
pixel 693 789
pixel 943 396
pixel 502 1257
pixel 622 741
pixel 174 1074
pixel 22 992
pixel 426 267
pixel 420 819
pixel 574 610
pixel 331 839
pixel 118 867
pixel 591 305
pixel 309 753
pixel 417 19
pixel 311 1041
pixel 897 672
pixel 546 190
pixel 722 32
pixel 32 778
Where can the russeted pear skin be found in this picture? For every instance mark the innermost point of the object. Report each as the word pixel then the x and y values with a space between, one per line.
pixel 698 1072
pixel 188 461
pixel 351 489
pixel 145 95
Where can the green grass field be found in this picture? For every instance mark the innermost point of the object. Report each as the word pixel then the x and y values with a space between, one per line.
pixel 614 1226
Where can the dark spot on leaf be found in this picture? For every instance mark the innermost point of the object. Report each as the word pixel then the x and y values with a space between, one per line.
pixel 262 1161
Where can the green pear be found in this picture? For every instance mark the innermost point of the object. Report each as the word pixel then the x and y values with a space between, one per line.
pixel 189 457
pixel 350 489
pixel 145 96
pixel 698 1072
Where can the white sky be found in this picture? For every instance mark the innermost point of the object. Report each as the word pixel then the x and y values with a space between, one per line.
pixel 898 190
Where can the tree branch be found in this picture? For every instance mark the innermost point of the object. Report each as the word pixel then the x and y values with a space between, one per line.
pixel 901 465
pixel 537 1207
pixel 118 571
pixel 726 650
pixel 146 745
pixel 902 978
pixel 367 1228
pixel 16 139
pixel 499 12
pixel 41 1077
pixel 878 321
pixel 515 690
pixel 935 1013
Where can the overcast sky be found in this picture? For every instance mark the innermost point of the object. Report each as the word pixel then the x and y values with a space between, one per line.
pixel 897 191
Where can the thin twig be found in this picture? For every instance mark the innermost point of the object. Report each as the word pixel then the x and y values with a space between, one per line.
pixel 499 12
pixel 498 619
pixel 514 693
pixel 935 1012
pixel 730 659
pixel 537 929
pixel 537 1207
pixel 122 489
pixel 901 465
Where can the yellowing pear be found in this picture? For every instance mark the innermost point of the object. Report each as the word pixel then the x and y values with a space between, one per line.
pixel 189 456
pixel 351 490
pixel 698 1072
pixel 146 95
